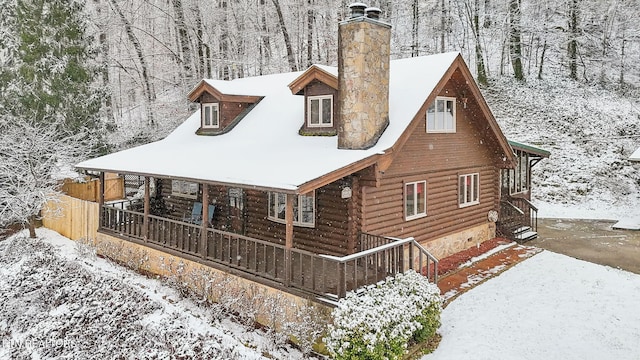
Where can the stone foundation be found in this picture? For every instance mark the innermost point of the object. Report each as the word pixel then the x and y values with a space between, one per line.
pixel 451 244
pixel 268 306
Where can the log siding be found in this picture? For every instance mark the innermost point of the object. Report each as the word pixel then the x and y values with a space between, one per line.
pixel 439 159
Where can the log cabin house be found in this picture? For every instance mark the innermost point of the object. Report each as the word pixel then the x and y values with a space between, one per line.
pixel 323 181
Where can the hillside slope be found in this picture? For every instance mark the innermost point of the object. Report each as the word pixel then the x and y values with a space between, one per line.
pixel 590 131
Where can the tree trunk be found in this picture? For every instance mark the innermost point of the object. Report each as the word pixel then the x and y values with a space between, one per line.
pixel 32 226
pixel 480 68
pixel 224 72
pixel 443 25
pixel 149 94
pixel 515 44
pixel 544 50
pixel 414 28
pixel 572 48
pixel 310 21
pixel 285 34
pixel 185 42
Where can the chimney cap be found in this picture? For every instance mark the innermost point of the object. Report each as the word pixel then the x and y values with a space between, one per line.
pixel 373 12
pixel 357 9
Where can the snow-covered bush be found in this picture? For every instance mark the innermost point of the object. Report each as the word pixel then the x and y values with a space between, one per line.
pixel 382 321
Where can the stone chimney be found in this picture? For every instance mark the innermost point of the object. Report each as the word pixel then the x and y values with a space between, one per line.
pixel 363 77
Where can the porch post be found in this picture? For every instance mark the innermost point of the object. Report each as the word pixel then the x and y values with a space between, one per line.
pixel 147 206
pixel 288 218
pixel 101 200
pixel 205 221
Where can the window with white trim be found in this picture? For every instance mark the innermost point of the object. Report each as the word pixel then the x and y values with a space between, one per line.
pixel 304 208
pixel 184 189
pixel 210 116
pixel 320 111
pixel 415 200
pixel 441 115
pixel 469 189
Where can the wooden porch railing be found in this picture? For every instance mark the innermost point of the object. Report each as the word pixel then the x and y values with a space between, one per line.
pixel 373 265
pixel 322 275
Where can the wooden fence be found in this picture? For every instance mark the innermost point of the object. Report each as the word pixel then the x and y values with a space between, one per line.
pixel 90 190
pixel 71 217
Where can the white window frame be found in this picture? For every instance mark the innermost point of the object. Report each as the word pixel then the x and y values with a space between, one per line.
pixel 185 189
pixel 468 196
pixel 431 116
pixel 213 107
pixel 413 213
pixel 320 123
pixel 278 202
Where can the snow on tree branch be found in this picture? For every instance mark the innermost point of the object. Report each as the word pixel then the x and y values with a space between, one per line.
pixel 32 155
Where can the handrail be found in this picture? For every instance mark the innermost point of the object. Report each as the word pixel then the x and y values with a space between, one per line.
pixel 512 206
pixel 368 252
pixel 529 203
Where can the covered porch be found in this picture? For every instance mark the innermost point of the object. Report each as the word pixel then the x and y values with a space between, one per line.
pixel 273 261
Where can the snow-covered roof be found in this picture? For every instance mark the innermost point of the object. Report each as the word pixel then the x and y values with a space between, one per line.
pixel 265 150
pixel 635 156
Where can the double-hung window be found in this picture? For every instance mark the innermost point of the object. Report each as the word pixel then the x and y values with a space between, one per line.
pixel 184 189
pixel 304 207
pixel 210 116
pixel 468 189
pixel 320 111
pixel 441 115
pixel 415 200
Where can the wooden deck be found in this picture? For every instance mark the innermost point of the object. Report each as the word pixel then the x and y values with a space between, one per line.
pixel 319 275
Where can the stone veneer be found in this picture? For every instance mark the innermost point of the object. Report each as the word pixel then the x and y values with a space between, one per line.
pixel 201 279
pixel 451 244
pixel 363 81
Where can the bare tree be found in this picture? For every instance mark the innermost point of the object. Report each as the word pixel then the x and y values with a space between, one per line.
pixel 515 42
pixel 32 157
pixel 285 34
pixel 144 73
pixel 572 48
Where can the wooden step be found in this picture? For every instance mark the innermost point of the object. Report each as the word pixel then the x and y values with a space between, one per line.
pixel 522 229
pixel 526 236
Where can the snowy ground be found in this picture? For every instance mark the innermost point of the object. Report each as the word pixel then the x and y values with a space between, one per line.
pixel 58 300
pixel 548 307
pixel 591 132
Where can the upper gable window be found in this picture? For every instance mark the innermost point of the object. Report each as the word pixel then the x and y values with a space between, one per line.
pixel 320 111
pixel 210 116
pixel 441 115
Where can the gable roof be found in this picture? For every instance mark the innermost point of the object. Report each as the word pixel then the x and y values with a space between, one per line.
pixel 530 149
pixel 265 150
pixel 325 74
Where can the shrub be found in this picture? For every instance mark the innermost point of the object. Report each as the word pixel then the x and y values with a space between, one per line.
pixel 380 322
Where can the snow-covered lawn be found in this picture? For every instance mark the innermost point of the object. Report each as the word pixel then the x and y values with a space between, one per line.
pixel 58 300
pixel 548 307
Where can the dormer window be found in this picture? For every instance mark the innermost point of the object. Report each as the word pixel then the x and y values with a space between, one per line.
pixel 210 116
pixel 441 115
pixel 320 111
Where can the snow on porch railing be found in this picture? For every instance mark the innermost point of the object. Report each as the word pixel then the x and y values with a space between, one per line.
pixel 376 264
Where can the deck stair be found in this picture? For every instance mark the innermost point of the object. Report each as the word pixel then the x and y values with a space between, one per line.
pixel 518 220
pixel 524 233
